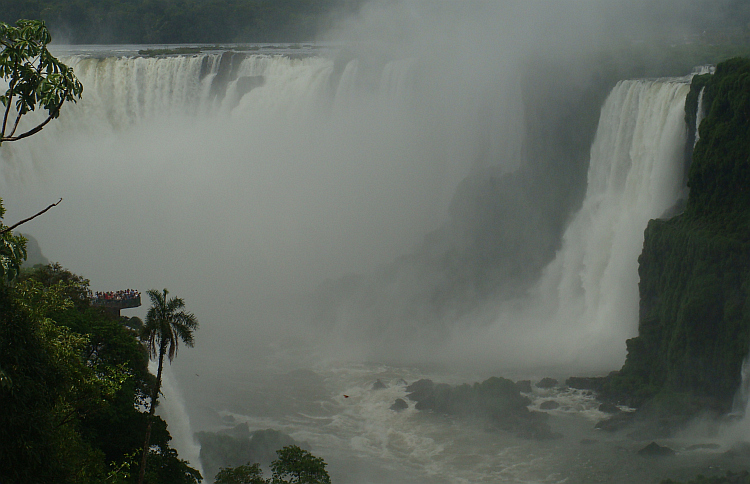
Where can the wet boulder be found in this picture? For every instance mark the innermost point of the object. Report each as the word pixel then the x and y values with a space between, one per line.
pixel 495 400
pixel 547 383
pixel 524 386
pixel 399 405
pixel 655 450
pixel 549 405
pixel 609 408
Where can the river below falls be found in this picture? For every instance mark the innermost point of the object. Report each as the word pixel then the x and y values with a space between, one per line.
pixel 334 409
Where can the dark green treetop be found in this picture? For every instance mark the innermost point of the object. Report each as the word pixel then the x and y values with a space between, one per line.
pixel 35 78
pixel 246 474
pixel 297 466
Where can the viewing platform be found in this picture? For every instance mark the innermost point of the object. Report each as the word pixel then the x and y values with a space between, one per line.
pixel 114 301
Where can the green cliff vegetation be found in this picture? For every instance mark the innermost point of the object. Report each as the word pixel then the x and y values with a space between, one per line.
pixel 694 329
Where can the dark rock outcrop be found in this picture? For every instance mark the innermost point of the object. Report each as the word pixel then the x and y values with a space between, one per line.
pixel 547 383
pixel 495 400
pixel 524 386
pixel 655 450
pixel 609 408
pixel 399 405
pixel 549 405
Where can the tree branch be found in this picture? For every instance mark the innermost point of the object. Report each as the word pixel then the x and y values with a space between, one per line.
pixel 31 131
pixel 8 229
pixel 7 107
pixel 15 125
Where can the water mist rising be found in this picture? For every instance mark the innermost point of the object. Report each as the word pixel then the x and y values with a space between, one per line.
pixel 234 181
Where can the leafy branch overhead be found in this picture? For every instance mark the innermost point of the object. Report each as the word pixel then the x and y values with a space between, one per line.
pixel 35 78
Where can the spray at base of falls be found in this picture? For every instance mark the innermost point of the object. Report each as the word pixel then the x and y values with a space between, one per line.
pixel 172 409
pixel 586 304
pixel 738 430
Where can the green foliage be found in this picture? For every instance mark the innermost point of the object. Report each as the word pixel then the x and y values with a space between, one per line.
pixel 720 176
pixel 244 474
pixel 293 465
pixel 165 467
pixel 297 466
pixel 167 324
pixel 35 77
pixel 52 389
pixel 12 251
pixel 75 379
pixel 234 447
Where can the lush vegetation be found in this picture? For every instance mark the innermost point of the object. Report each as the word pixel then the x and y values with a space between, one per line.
pixel 236 446
pixel 293 465
pixel 694 329
pixel 180 21
pixel 35 78
pixel 75 380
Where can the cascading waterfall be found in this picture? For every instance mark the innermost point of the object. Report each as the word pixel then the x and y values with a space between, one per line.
pixel 172 409
pixel 699 115
pixel 586 303
pixel 738 429
pixel 635 175
pixel 280 125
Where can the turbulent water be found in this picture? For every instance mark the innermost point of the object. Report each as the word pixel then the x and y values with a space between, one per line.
pixel 238 180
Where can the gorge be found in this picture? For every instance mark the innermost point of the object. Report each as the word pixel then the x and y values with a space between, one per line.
pixel 355 216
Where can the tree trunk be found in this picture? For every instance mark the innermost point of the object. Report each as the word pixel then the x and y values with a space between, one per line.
pixel 152 410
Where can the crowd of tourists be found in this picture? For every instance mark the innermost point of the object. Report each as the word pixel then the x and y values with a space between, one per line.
pixel 123 295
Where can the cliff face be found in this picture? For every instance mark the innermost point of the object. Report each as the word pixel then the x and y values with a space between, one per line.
pixel 694 328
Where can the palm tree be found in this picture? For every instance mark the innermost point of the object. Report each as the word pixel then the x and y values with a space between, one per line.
pixel 166 324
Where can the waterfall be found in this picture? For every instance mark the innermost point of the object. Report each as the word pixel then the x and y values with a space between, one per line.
pixel 586 303
pixel 699 115
pixel 305 143
pixel 172 409
pixel 737 429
